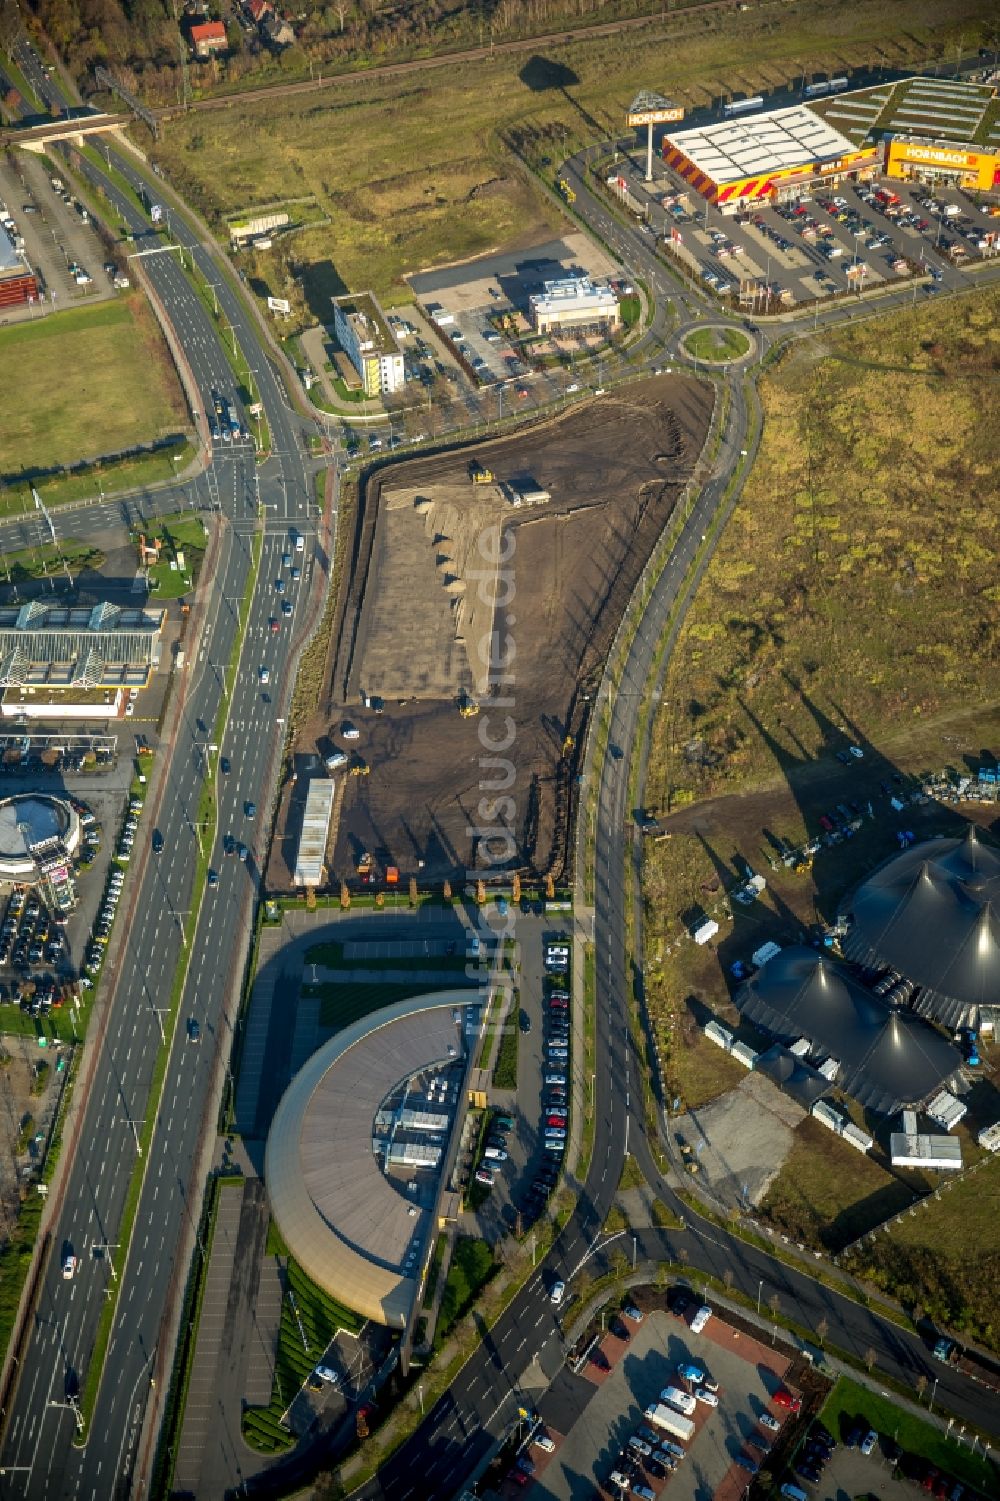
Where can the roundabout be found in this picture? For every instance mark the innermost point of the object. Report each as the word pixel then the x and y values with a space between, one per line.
pixel 717 344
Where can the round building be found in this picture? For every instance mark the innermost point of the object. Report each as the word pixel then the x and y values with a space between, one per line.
pixel 35 829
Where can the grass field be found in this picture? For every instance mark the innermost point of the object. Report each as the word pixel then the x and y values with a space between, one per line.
pixel 946 1257
pixel 436 181
pixel 848 1401
pixel 855 584
pixel 717 345
pixel 827 1193
pixel 89 382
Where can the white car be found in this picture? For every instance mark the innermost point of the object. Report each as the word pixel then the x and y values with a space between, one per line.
pixel 543 1442
pixel 336 760
pixel 767 1421
pixel 700 1319
pixel 350 731
pixel 702 1394
pixel 557 1293
pixel 869 1441
pixel 265 674
pixel 69 1267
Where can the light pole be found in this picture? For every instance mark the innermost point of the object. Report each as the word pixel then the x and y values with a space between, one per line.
pixel 635 1246
pixel 760 1289
pixel 930 1405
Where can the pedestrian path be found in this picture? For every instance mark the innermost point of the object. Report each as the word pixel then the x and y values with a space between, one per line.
pixel 200 1411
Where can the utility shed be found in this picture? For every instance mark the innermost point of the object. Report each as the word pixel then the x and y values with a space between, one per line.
pixel 926 1151
pixel 315 832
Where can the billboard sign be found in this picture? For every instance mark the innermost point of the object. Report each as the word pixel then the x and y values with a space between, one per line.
pixel 279 305
pixel 669 114
pixel 649 108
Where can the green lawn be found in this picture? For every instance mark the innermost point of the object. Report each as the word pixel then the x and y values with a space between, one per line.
pixel 43 562
pixel 505 1068
pixel 320 1317
pixel 342 1004
pixel 851 1400
pixel 89 382
pixel 717 345
pixel 471 1267
pixel 179 534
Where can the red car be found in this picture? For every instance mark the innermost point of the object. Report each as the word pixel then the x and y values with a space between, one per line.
pixel 274 626
pixel 556 1120
pixel 518 1477
pixel 522 392
pixel 785 1399
pixel 556 1003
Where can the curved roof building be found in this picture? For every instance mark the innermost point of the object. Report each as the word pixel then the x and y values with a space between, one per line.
pixel 347 1223
pixel 31 825
pixel 889 1059
pixel 933 915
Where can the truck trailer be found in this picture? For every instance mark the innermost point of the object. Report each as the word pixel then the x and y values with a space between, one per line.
pixel 664 1417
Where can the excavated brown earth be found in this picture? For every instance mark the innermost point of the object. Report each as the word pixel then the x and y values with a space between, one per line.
pixel 419 613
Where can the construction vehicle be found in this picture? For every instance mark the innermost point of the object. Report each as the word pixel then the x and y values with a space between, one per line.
pixel 567 747
pixel 364 866
pixel 467 706
pixel 359 767
pixel 566 190
pixel 479 474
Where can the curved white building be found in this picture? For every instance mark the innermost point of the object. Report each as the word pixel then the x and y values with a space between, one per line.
pixel 347 1222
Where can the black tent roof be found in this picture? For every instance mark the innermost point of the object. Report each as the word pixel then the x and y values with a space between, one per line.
pixel 890 1060
pixel 933 914
pixel 804 1084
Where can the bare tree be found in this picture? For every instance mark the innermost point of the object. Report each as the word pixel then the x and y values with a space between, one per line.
pixel 921 1384
pixel 822 1330
pixel 727 1278
pixel 871 1356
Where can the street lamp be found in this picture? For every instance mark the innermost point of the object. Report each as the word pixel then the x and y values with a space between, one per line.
pixel 760 1289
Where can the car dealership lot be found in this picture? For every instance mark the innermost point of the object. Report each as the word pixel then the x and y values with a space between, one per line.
pixel 748 1373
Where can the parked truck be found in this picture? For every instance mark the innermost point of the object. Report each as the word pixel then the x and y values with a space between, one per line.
pixel 664 1417
pixel 969 1363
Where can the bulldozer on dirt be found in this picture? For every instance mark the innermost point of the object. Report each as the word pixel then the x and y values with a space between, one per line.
pixel 364 865
pixel 567 747
pixel 467 706
pixel 479 474
pixel 359 767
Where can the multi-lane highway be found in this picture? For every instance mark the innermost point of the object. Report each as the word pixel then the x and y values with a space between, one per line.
pixel 39 1456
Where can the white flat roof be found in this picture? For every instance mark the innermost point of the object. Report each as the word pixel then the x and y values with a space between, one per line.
pixel 315 829
pixel 761 143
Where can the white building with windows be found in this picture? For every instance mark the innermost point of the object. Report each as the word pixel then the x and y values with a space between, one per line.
pixel 363 333
pixel 574 303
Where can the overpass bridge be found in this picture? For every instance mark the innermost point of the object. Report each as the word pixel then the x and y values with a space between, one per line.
pixel 73 127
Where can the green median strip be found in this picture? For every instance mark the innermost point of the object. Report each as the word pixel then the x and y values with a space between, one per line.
pixel 96 1368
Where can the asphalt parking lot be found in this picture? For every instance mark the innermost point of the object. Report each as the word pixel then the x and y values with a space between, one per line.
pixel 850 1473
pixel 815 254
pixel 55 234
pixel 512 1195
pixel 590 1441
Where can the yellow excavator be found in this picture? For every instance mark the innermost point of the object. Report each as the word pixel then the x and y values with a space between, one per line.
pixel 467 706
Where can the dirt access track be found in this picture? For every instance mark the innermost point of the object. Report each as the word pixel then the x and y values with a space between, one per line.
pixel 449 576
